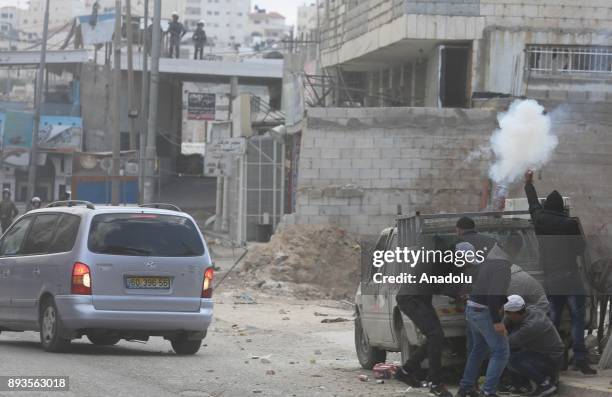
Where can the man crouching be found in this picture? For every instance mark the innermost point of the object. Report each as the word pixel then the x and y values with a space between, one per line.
pixel 536 348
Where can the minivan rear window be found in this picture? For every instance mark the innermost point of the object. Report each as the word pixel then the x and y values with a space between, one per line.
pixel 144 235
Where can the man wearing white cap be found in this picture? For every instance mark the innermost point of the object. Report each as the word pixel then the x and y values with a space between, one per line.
pixel 536 348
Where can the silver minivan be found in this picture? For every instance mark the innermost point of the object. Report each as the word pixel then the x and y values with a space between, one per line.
pixel 109 273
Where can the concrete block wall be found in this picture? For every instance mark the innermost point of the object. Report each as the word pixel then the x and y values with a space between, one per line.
pixel 588 14
pixel 357 165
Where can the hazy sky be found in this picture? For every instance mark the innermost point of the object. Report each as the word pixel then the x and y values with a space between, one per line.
pixel 286 7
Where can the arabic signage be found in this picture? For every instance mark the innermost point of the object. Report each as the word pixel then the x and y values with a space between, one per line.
pixel 201 106
pixel 221 154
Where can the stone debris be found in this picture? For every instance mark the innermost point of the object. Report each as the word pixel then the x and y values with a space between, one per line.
pixel 306 261
pixel 244 299
pixel 334 320
pixel 270 372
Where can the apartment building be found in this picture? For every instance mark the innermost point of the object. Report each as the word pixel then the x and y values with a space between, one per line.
pixel 225 21
pixel 267 27
pixel 307 19
pixel 443 53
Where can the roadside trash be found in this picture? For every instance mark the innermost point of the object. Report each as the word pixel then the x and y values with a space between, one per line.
pixel 363 378
pixel 254 357
pixel 270 372
pixel 385 370
pixel 317 352
pixel 282 311
pixel 379 381
pixel 264 360
pixel 249 340
pixel 244 299
pixel 313 361
pixel 334 320
pixel 424 384
pixel 317 314
pixel 286 318
pixel 256 391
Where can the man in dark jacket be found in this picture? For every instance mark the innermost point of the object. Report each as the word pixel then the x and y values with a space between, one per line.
pixel 536 347
pixel 415 301
pixel 8 210
pixel 486 330
pixel 561 243
pixel 199 40
pixel 176 31
pixel 466 231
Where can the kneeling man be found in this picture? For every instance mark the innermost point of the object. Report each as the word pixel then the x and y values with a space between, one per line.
pixel 536 348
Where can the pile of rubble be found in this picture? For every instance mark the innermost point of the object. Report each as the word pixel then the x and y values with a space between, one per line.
pixel 306 261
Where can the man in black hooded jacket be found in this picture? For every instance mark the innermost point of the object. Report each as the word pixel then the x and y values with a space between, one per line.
pixel 560 245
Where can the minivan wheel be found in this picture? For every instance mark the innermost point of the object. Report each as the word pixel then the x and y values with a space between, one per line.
pixel 183 346
pixel 50 326
pixel 103 340
pixel 367 355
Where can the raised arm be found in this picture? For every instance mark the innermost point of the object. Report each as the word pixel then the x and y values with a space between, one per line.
pixel 530 192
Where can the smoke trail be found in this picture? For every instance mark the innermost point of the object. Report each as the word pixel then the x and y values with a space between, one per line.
pixel 523 141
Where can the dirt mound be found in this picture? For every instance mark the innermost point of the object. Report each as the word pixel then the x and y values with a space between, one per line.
pixel 308 261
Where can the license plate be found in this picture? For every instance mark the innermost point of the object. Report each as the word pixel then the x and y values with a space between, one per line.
pixel 147 282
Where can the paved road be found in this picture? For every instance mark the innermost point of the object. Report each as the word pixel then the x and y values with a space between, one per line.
pixel 316 362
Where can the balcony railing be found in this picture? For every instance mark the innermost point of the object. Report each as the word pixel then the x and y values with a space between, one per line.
pixel 569 59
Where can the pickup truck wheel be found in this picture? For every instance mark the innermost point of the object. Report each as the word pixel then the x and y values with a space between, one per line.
pixel 50 326
pixel 103 340
pixel 368 356
pixel 183 346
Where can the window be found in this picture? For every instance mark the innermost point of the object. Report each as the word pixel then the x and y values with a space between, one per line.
pixel 569 59
pixel 14 237
pixel 40 235
pixel 209 13
pixel 193 11
pixel 66 233
pixel 216 12
pixel 124 142
pixel 144 235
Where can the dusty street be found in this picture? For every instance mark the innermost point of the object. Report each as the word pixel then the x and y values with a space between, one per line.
pixel 246 342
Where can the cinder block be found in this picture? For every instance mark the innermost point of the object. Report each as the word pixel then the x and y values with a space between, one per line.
pixel 364 142
pixel 409 173
pixel 401 163
pixel 309 173
pixel 349 173
pixel 330 153
pixel 369 173
pixel 341 163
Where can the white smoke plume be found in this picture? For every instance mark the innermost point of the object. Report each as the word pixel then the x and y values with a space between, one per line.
pixel 523 141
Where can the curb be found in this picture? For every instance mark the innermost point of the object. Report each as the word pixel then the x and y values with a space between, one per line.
pixel 573 390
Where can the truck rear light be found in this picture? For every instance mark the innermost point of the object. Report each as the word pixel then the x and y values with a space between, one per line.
pixel 207 287
pixel 81 279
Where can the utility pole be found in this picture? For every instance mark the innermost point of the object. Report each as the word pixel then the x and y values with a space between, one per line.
pixel 151 151
pixel 144 104
pixel 133 112
pixel 31 189
pixel 116 108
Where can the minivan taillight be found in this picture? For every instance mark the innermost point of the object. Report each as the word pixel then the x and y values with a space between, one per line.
pixel 207 287
pixel 81 279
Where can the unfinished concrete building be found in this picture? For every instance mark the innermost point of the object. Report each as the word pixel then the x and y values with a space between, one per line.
pixel 443 53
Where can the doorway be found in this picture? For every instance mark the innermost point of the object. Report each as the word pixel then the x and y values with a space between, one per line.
pixel 454 76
